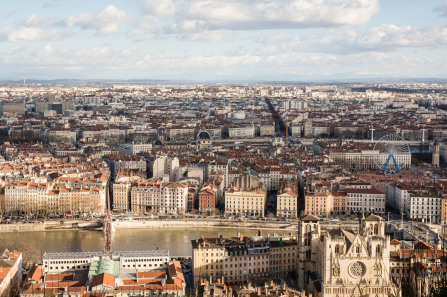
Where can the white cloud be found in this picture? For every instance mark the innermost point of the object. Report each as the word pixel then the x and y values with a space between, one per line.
pixel 41 22
pixel 273 14
pixel 144 28
pixel 390 37
pixel 383 38
pixel 160 7
pixel 129 51
pixel 22 33
pixel 211 36
pixel 442 8
pixel 105 21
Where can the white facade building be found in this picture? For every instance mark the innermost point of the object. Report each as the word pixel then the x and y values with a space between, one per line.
pixel 365 201
pixel 129 261
pixel 425 208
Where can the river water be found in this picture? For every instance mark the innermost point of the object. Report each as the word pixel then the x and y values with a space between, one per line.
pixel 177 241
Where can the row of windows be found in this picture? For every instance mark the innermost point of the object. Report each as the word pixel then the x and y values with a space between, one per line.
pixel 142 260
pixel 143 265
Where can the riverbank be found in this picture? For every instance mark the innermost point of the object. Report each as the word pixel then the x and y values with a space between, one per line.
pixel 49 225
pixel 160 224
pixel 170 224
pixel 148 224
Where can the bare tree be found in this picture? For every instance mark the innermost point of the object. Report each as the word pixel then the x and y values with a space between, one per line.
pixel 30 254
pixel 14 288
pixel 2 203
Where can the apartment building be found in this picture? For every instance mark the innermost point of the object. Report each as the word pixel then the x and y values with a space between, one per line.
pixel 246 197
pixel 318 203
pixel 235 258
pixel 134 148
pixel 174 198
pixel 425 207
pixel 340 200
pixel 241 131
pixel 365 200
pixel 283 257
pixel 116 162
pixel 48 198
pixel 145 197
pixel 164 167
pixel 208 198
pixel 121 196
pixel 398 196
pixel 287 199
pixel 156 196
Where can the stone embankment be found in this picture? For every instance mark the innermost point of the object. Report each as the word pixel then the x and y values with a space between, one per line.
pixel 158 224
pixel 168 223
pixel 49 225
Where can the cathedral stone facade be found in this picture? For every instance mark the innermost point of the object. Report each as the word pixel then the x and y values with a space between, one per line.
pixel 339 262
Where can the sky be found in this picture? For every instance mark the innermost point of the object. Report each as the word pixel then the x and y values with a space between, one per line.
pixel 223 40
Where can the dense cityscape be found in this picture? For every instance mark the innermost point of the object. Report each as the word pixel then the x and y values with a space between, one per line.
pixel 351 176
pixel 236 148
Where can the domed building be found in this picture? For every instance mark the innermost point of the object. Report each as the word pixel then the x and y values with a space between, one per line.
pixel 203 139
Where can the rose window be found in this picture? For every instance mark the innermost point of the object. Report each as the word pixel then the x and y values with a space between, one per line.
pixel 357 269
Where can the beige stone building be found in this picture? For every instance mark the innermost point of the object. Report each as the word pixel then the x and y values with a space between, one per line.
pixel 338 262
pixel 51 198
pixel 283 257
pixel 246 197
pixel 319 203
pixel 207 257
pixel 287 200
pixel 154 195
pixel 121 196
pixel 145 197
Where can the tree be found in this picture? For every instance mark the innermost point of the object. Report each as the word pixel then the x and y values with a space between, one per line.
pixel 30 253
pixel 2 203
pixel 14 288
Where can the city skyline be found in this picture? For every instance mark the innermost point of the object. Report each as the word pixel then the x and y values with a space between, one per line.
pixel 218 41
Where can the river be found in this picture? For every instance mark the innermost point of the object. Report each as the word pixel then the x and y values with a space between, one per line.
pixel 177 241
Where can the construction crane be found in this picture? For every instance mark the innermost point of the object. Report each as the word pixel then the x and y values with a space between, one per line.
pixel 108 227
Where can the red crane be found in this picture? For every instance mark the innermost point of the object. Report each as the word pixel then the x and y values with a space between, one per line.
pixel 108 226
